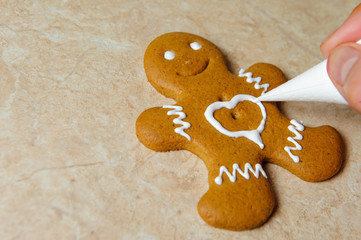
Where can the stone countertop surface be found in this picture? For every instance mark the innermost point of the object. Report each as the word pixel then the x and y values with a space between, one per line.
pixel 73 85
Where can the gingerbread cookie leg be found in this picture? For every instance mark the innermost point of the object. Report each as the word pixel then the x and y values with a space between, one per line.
pixel 239 197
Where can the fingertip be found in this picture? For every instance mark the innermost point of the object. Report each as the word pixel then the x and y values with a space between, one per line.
pixel 349 31
pixel 328 44
pixel 323 49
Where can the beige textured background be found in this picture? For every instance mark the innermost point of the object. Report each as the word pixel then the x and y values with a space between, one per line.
pixel 72 86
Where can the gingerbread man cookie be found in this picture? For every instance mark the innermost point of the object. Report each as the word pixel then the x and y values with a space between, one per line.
pixel 218 117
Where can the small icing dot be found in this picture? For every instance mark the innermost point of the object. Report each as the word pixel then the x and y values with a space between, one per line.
pixel 169 55
pixel 195 45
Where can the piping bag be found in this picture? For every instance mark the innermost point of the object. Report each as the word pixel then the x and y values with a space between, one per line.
pixel 312 85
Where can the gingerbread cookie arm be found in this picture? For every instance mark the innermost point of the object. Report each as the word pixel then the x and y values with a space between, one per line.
pixel 313 154
pixel 265 76
pixel 163 128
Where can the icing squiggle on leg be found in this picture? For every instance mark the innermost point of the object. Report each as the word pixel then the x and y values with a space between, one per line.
pixel 178 111
pixel 250 79
pixel 299 127
pixel 247 168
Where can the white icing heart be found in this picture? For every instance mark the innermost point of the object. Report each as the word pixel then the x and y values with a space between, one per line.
pixel 253 135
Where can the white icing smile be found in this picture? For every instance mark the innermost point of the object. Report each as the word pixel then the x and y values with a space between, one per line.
pixel 195 71
pixel 253 135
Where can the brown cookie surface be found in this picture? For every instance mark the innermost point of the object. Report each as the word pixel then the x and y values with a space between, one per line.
pixel 218 117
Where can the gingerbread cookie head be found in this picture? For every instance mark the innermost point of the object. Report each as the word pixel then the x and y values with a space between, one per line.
pixel 182 58
pixel 218 117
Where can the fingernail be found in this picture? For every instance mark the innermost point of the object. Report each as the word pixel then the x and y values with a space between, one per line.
pixel 341 61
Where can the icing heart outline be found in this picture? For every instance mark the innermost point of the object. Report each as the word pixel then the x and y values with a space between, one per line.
pixel 253 135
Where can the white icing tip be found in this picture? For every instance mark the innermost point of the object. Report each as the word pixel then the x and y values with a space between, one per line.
pixel 169 55
pixel 195 45
pixel 218 180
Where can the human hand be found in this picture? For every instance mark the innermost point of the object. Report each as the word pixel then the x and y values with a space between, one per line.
pixel 344 58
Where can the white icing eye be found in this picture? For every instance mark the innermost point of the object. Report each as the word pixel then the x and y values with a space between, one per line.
pixel 195 45
pixel 169 55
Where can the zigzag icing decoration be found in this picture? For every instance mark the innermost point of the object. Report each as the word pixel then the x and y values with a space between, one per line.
pixel 250 79
pixel 299 127
pixel 247 168
pixel 185 125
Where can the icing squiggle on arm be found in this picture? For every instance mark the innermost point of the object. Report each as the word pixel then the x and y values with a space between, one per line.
pixel 178 111
pixel 299 127
pixel 250 79
pixel 247 168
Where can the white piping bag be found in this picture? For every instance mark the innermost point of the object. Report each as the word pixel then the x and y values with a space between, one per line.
pixel 312 85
